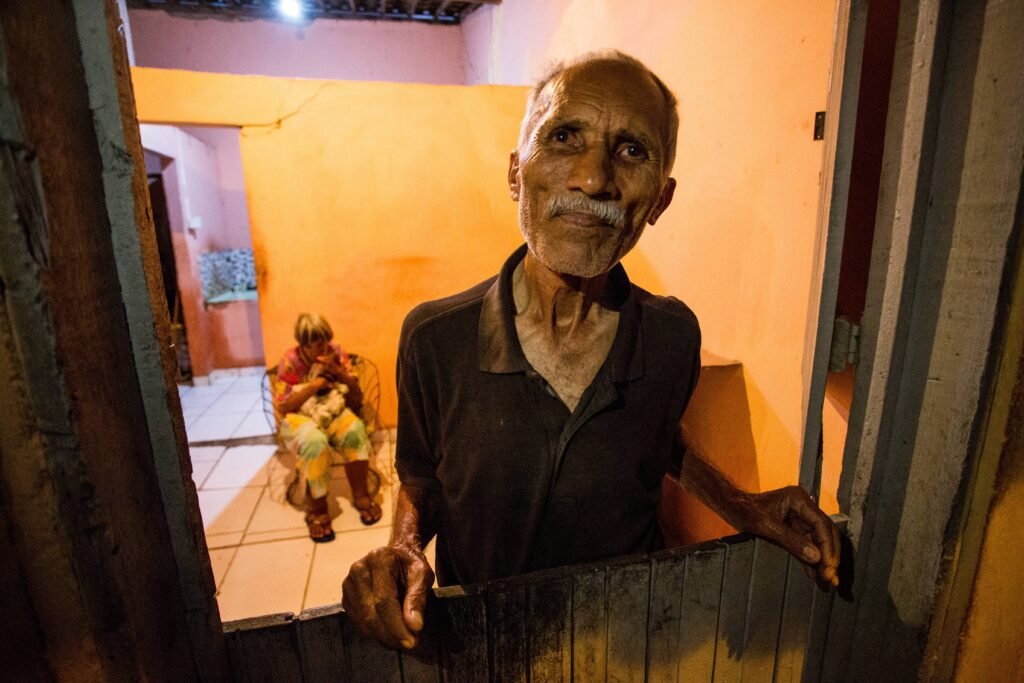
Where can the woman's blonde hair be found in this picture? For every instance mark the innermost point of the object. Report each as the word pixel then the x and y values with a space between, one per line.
pixel 312 327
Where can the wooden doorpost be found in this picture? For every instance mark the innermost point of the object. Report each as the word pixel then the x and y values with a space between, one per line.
pixel 102 536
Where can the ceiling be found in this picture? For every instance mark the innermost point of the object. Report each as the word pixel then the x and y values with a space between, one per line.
pixel 428 11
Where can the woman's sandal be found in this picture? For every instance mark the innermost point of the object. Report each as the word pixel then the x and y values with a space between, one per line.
pixel 319 523
pixel 369 512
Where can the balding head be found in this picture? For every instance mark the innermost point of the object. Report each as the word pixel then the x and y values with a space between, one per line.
pixel 540 95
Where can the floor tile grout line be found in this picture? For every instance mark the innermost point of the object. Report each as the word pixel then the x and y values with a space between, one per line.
pixel 231 562
pixel 199 486
pixel 227 570
pixel 309 576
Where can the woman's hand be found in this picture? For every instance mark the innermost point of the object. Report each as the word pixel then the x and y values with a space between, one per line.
pixel 332 369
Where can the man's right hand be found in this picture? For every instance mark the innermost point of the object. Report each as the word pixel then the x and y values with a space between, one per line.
pixel 385 594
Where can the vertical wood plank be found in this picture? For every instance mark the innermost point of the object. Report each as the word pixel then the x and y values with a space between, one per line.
pixel 236 655
pixel 421 666
pixel 817 635
pixel 322 644
pixel 264 649
pixel 732 614
pixel 549 630
pixel 369 661
pixel 698 628
pixel 589 625
pixel 628 597
pixel 668 576
pixel 764 613
pixel 796 615
pixel 506 620
pixel 464 644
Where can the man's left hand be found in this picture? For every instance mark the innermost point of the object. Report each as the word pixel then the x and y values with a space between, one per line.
pixel 789 518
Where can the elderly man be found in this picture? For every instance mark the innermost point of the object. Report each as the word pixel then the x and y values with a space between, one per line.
pixel 540 410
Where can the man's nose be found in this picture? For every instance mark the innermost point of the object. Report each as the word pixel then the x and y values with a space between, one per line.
pixel 593 174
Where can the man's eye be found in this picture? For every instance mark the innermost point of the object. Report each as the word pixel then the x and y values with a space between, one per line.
pixel 561 135
pixel 633 150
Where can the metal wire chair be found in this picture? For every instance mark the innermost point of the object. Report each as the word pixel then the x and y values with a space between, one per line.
pixel 368 375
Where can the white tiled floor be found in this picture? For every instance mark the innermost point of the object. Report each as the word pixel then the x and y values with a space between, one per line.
pixel 229 408
pixel 263 560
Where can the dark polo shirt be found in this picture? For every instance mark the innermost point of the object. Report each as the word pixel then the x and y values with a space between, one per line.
pixel 524 483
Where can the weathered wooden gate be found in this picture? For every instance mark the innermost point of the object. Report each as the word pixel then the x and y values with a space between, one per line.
pixel 738 609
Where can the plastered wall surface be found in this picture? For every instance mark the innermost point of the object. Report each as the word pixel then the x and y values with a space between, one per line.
pixel 351 50
pixel 221 336
pixel 231 182
pixel 738 242
pixel 365 199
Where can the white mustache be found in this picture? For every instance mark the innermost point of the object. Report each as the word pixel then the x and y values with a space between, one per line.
pixel 606 212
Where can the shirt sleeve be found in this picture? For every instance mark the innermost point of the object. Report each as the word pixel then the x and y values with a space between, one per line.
pixel 287 377
pixel 687 385
pixel 415 454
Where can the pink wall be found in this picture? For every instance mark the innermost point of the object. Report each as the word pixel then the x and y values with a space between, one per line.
pixel 233 231
pixel 224 335
pixel 325 49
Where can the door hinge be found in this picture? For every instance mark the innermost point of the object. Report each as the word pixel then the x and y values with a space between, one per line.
pixel 845 349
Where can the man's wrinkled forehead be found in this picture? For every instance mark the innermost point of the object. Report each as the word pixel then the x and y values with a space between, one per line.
pixel 606 80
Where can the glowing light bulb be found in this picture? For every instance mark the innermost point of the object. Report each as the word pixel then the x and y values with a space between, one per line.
pixel 291 9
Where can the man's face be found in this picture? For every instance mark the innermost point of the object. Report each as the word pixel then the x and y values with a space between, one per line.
pixel 591 173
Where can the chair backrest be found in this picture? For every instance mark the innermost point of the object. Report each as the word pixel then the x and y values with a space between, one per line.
pixel 267 397
pixel 368 375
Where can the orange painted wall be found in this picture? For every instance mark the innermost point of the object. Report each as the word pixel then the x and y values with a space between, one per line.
pixel 738 243
pixel 365 199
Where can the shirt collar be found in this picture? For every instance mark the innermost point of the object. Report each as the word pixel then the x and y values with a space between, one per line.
pixel 499 348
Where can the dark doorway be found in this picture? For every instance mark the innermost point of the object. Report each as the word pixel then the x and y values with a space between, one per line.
pixel 165 248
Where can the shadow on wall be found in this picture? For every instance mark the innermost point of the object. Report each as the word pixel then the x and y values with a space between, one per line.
pixel 718 419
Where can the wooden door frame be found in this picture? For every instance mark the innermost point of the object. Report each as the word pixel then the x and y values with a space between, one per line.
pixel 840 126
pixel 98 474
pixel 946 247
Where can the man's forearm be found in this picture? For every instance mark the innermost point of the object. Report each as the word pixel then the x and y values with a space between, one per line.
pixel 702 479
pixel 415 518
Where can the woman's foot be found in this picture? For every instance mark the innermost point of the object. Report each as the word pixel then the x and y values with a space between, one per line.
pixel 369 512
pixel 319 526
pixel 318 521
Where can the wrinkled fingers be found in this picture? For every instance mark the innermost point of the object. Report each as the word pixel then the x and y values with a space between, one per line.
pixel 370 596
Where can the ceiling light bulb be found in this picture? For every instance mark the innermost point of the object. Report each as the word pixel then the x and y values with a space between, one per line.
pixel 291 9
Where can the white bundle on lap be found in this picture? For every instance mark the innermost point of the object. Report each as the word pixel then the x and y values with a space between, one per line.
pixel 323 408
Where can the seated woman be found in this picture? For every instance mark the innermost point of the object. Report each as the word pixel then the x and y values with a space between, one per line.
pixel 316 399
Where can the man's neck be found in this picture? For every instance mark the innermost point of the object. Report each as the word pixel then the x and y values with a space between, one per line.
pixel 557 303
pixel 564 326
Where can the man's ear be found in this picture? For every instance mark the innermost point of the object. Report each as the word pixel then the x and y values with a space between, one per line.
pixel 513 175
pixel 663 201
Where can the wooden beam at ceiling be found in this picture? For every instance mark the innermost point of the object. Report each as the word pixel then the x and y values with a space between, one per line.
pixel 381 6
pixel 410 7
pixel 441 8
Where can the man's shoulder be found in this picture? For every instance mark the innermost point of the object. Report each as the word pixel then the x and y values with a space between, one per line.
pixel 443 315
pixel 666 310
